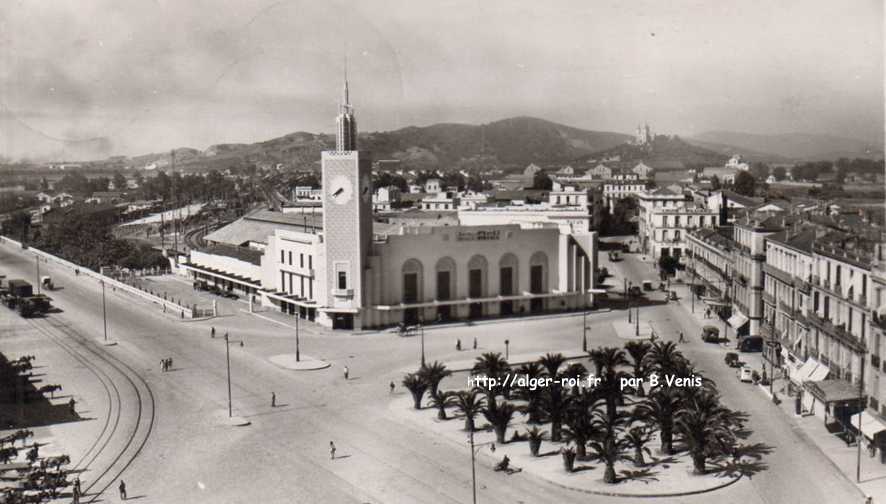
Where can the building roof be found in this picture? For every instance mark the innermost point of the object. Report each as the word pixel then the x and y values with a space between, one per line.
pixel 259 225
pixel 245 254
pixel 801 240
pixel 745 201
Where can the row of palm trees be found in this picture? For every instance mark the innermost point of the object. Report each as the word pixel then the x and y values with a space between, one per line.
pixel 605 423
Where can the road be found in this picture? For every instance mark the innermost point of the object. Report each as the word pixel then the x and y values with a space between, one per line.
pixel 193 456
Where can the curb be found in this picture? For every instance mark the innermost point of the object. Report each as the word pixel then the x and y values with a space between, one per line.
pixel 642 495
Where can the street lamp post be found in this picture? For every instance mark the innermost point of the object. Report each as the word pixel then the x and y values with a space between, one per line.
pixel 473 470
pixel 637 322
pixel 421 329
pixel 228 357
pixel 584 334
pixel 297 349
pixel 104 310
pixel 507 343
pixel 37 258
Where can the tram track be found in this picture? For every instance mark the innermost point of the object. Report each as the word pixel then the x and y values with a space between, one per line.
pixel 134 441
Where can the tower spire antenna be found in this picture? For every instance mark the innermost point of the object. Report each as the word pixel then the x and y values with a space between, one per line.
pixel 345 98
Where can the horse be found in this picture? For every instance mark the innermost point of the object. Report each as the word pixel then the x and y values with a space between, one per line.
pixel 8 453
pixel 51 389
pixel 57 461
pixel 22 434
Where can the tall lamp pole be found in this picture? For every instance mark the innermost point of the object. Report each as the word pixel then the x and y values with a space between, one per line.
pixel 862 406
pixel 637 322
pixel 473 470
pixel 38 273
pixel 421 329
pixel 228 357
pixel 297 350
pixel 584 334
pixel 507 344
pixel 104 310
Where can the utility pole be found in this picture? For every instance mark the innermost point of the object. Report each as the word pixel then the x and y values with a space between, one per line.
pixel 637 322
pixel 104 310
pixel 473 469
pixel 38 273
pixel 421 330
pixel 174 221
pixel 860 434
pixel 228 356
pixel 584 334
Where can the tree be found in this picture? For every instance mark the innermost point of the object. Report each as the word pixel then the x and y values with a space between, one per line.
pixel 416 387
pixel 554 401
pixel 608 446
pixel 542 181
pixel 745 184
pixel 530 373
pixel 668 264
pixel 492 365
pixel 433 374
pixel 608 361
pixel 499 415
pixel 442 400
pixel 659 408
pixel 759 170
pixel 664 358
pixel 470 404
pixel 636 438
pixel 715 183
pixel 119 181
pixel 579 425
pixel 705 427
pixel 779 173
pixel 535 436
pixel 638 350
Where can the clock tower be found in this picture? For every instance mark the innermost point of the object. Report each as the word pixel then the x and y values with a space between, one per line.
pixel 347 222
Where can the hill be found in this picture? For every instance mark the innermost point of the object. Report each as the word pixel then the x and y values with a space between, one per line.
pixel 510 142
pixel 664 153
pixel 793 146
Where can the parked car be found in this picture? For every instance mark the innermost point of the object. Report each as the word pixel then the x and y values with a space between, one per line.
pixel 745 374
pixel 710 334
pixel 751 344
pixel 647 285
pixel 672 296
pixel 731 359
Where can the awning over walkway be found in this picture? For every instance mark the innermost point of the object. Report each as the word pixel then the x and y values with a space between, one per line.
pixel 737 320
pixel 870 425
pixel 805 370
pixel 819 373
pixel 831 391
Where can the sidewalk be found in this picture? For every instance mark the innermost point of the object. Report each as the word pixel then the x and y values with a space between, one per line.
pixel 844 458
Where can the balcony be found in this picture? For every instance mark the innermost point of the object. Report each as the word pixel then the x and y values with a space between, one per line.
pixel 343 293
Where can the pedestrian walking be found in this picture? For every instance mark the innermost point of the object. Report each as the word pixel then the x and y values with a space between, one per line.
pixel 122 489
pixel 458 345
pixel 346 372
pixel 475 342
pixel 331 450
pixel 212 332
pixel 392 387
pixel 169 364
pixel 77 486
pixel 162 365
pixel 76 495
pixel 492 447
pixel 71 404
pixel 682 339
pixel 273 400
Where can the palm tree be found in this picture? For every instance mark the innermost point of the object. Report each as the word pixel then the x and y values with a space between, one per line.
pixel 442 400
pixel 532 395
pixel 609 360
pixel 706 427
pixel 536 436
pixel 552 362
pixel 608 446
pixel 554 403
pixel 659 408
pixel 637 437
pixel 638 350
pixel 470 404
pixel 416 387
pixel 499 415
pixel 433 374
pixel 576 371
pixel 492 365
pixel 664 358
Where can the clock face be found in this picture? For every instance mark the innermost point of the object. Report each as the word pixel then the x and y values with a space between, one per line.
pixel 365 188
pixel 341 190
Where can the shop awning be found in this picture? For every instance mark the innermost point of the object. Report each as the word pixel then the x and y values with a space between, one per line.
pixel 737 320
pixel 833 391
pixel 819 373
pixel 870 425
pixel 805 370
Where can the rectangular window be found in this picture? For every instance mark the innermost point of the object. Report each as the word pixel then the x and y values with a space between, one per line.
pixel 301 260
pixel 282 257
pixel 342 280
pixel 283 281
pixel 301 291
pixel 291 284
pixel 290 258
pixel 475 283
pixel 310 289
pixel 310 262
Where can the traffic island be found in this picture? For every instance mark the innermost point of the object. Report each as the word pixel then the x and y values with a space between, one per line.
pixel 661 476
pixel 305 363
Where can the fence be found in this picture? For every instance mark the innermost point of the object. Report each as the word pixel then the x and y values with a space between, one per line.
pixel 184 311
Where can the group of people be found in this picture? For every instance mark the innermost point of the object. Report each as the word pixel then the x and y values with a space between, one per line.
pixel 458 344
pixel 166 364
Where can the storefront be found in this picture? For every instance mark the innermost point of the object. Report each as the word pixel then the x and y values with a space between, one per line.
pixel 873 431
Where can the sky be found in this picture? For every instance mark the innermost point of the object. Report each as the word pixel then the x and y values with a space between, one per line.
pixel 93 78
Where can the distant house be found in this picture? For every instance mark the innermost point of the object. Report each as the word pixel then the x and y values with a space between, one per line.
pixel 432 186
pixel 643 170
pixel 109 197
pixel 566 171
pixel 601 171
pixel 771 179
pixel 725 175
